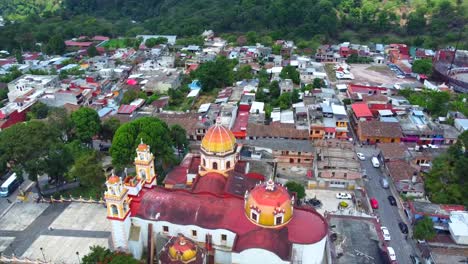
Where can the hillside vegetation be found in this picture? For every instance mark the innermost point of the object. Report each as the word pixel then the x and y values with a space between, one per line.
pixel 429 23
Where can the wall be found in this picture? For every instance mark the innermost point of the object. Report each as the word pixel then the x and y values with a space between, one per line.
pixel 256 255
pixel 310 254
pixel 174 230
pixel 120 232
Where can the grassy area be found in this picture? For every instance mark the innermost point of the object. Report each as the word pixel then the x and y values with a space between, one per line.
pixel 115 43
pixel 330 71
pixel 85 192
pixel 203 99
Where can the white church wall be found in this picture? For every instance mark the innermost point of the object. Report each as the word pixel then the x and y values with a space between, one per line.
pixel 256 255
pixel 186 230
pixel 223 257
pixel 310 254
pixel 120 233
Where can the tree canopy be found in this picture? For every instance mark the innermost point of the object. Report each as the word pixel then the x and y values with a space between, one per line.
pixel 297 188
pixel 424 229
pixel 215 74
pixel 86 123
pixel 447 181
pixel 290 72
pixel 152 131
pixel 100 254
pixel 423 66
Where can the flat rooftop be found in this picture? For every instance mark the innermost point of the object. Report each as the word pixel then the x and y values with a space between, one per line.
pixel 357 240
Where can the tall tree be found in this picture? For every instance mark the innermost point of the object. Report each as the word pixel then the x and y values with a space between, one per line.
pixel 88 169
pixel 109 126
pixel 86 124
pixel 424 229
pixel 215 74
pixel 92 51
pixel 152 131
pixel 296 188
pixel 179 137
pixel 290 72
pixel 57 162
pixel 423 66
pixel 56 45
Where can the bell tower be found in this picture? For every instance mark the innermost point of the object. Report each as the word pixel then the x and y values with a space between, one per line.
pixel 118 211
pixel 144 165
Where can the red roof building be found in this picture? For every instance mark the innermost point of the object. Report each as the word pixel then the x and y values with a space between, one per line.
pixel 361 111
pixel 240 126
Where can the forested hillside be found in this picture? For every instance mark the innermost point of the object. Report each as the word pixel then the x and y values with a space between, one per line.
pixel 429 23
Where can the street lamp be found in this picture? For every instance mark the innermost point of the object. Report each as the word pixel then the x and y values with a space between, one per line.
pixel 43 256
pixel 78 255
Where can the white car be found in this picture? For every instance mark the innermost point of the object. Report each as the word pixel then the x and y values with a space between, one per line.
pixel 391 253
pixel 386 234
pixel 360 156
pixel 344 196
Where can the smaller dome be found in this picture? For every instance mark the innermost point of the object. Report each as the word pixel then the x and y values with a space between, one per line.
pixel 218 139
pixel 142 146
pixel 113 179
pixel 183 250
pixel 269 204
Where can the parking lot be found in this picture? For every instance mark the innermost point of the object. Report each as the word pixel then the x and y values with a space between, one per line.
pixel 375 75
pixel 329 201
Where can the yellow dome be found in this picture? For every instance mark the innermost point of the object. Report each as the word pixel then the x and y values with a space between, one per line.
pixel 269 204
pixel 218 139
pixel 183 250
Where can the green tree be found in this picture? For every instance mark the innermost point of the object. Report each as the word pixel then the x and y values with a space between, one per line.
pixel 295 96
pixel 24 146
pixel 88 170
pixel 424 229
pixel 275 90
pixel 98 254
pixel 57 162
pixel 423 66
pixel 260 95
pixel 56 45
pixel 215 74
pixel 38 111
pixel 179 137
pixel 295 187
pixel 284 101
pixel 290 72
pixel 318 83
pixel 92 51
pixel 244 73
pixel 109 126
pixel 152 131
pixel 131 95
pixel 86 123
pixel 276 49
pixel 151 42
pixel 59 119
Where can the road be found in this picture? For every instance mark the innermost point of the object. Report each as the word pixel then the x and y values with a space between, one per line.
pixel 389 215
pixel 6 201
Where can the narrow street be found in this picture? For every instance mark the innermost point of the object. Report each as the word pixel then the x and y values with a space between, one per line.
pixel 389 215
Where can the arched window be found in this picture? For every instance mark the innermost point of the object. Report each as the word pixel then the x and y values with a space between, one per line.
pixel 115 211
pixel 228 165
pixel 215 165
pixel 204 163
pixel 278 219
pixel 254 215
pixel 143 174
pixel 142 157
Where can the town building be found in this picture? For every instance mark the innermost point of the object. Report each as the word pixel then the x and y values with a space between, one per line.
pixel 371 132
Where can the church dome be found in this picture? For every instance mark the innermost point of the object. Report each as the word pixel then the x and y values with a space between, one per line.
pixel 269 205
pixel 183 250
pixel 218 139
pixel 113 179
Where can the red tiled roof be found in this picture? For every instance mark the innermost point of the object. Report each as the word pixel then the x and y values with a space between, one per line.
pixel 211 182
pixel 178 175
pixel 78 44
pixel 126 109
pixel 227 212
pixel 361 110
pixel 330 129
pixel 380 129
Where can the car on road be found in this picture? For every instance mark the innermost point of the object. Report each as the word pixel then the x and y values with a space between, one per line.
pixel 384 183
pixel 316 203
pixel 386 234
pixel 391 253
pixel 375 162
pixel 403 227
pixel 374 203
pixel 392 200
pixel 360 156
pixel 344 196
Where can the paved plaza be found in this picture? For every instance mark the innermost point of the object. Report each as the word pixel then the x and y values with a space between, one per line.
pixel 61 230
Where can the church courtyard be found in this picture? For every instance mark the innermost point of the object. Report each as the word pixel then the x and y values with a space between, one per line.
pixel 56 233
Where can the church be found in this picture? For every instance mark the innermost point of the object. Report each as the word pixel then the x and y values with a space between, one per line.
pixel 211 210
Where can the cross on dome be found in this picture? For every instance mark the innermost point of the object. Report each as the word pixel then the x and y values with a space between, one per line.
pixel 270 185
